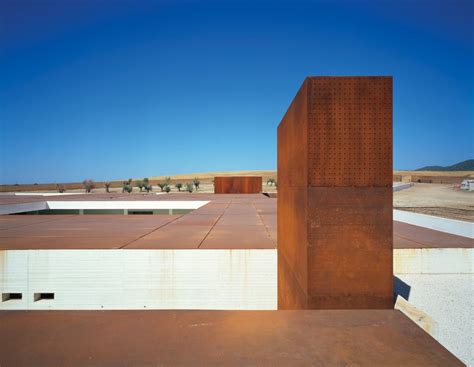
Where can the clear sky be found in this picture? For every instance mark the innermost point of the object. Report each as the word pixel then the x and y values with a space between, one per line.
pixel 118 89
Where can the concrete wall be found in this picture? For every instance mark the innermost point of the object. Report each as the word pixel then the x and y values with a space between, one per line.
pixel 137 279
pixel 441 284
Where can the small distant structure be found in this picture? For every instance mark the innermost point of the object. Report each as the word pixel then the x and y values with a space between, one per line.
pixel 467 185
pixel 436 179
pixel 238 185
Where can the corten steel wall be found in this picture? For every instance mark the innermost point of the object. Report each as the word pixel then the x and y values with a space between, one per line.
pixel 238 185
pixel 335 195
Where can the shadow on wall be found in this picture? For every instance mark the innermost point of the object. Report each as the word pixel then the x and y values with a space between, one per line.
pixel 400 288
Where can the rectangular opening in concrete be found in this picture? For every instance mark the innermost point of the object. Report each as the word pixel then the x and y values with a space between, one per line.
pixel 43 296
pixel 72 207
pixel 105 211
pixel 11 296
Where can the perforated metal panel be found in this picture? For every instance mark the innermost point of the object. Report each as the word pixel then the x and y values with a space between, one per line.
pixel 335 195
pixel 350 131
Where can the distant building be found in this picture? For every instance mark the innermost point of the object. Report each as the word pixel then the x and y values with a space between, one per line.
pixel 467 185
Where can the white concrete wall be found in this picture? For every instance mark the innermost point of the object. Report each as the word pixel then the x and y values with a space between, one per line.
pixel 132 205
pixel 442 287
pixel 433 261
pixel 137 279
pixel 399 186
pixel 95 205
pixel 23 207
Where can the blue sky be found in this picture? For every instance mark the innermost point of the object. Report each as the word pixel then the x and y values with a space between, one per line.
pixel 117 89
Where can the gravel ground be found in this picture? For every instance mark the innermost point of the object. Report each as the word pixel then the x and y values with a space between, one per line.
pixel 436 199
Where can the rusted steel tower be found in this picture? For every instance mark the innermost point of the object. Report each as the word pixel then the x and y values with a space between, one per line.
pixel 335 195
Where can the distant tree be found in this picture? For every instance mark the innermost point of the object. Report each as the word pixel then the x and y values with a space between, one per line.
pixel 167 188
pixel 161 185
pixel 178 185
pixel 140 184
pixel 271 181
pixel 146 181
pixel 148 188
pixel 168 180
pixel 196 183
pixel 127 188
pixel 107 186
pixel 88 185
pixel 61 188
pixel 189 187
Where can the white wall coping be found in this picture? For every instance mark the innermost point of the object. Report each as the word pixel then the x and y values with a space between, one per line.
pixel 98 205
pixel 134 205
pixel 46 193
pixel 23 207
pixel 452 226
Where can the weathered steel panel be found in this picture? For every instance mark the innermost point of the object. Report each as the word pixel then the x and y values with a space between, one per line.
pixel 217 338
pixel 350 131
pixel 238 185
pixel 335 195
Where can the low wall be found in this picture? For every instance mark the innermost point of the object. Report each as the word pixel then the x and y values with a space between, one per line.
pixel 238 185
pixel 140 279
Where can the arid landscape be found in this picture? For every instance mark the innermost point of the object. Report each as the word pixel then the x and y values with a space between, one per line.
pixel 436 199
pixel 445 200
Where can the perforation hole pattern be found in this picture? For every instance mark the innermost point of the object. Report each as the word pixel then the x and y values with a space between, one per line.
pixel 350 131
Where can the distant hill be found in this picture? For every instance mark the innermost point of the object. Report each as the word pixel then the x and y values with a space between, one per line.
pixel 461 166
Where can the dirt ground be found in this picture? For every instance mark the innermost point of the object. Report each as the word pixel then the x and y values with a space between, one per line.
pixel 436 199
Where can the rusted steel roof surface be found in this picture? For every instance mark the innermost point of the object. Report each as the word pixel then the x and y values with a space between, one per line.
pixel 229 221
pixel 410 236
pixel 210 338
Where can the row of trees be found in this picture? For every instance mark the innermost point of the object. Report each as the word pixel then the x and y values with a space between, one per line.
pixel 127 186
pixel 164 186
pixel 142 185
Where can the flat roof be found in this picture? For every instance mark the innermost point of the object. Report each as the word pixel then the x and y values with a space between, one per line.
pixel 228 221
pixel 209 338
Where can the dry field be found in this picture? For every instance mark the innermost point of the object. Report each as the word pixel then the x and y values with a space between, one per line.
pixel 206 180
pixel 435 173
pixel 436 199
pixel 428 198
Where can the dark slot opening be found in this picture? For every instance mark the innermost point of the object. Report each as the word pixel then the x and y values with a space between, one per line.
pixel 42 296
pixel 11 296
pixel 140 212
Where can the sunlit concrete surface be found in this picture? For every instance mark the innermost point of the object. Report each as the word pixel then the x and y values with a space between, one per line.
pixel 140 279
pixel 441 284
